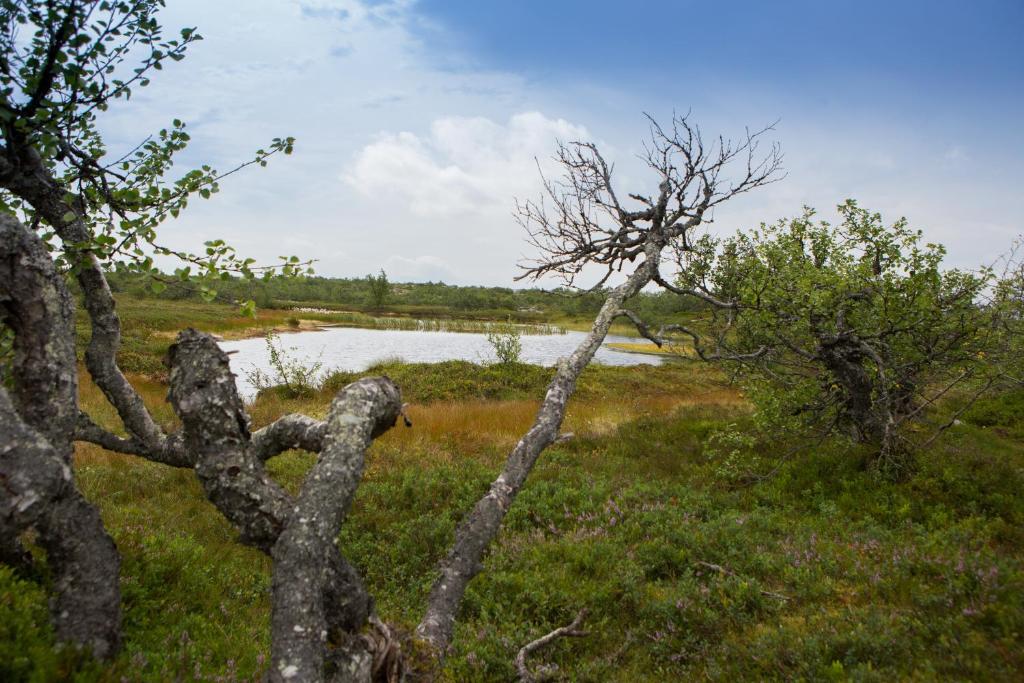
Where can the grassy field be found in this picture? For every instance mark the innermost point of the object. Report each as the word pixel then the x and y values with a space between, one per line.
pixel 695 559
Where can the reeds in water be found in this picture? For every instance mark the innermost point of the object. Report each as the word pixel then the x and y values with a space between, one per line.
pixel 433 324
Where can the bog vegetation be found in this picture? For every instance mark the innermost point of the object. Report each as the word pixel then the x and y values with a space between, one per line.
pixel 881 579
pixel 824 484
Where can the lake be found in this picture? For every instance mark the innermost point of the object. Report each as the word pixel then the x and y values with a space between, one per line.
pixel 354 349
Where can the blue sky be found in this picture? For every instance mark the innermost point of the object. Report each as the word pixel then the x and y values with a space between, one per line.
pixel 418 123
pixel 927 44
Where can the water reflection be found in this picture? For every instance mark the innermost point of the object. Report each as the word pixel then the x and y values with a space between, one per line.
pixel 353 349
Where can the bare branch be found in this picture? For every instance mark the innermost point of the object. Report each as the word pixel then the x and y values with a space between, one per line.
pixel 701 294
pixel 641 327
pixel 956 416
pixel 587 224
pixel 287 432
pixel 570 631
pixel 171 450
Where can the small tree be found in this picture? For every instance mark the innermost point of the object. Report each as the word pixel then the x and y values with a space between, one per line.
pixel 380 289
pixel 295 376
pixel 507 343
pixel 854 327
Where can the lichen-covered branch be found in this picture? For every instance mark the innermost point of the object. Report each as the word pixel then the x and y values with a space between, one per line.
pixel 37 487
pixel 299 626
pixel 37 490
pixel 285 433
pixel 35 304
pixel 216 431
pixel 315 590
pixel 169 451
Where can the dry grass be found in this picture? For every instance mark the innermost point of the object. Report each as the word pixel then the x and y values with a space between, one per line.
pixel 442 431
pixel 482 429
pixel 471 422
pixel 93 402
pixel 684 350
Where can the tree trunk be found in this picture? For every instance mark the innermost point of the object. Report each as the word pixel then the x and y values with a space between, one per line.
pixel 480 527
pixel 845 363
pixel 35 456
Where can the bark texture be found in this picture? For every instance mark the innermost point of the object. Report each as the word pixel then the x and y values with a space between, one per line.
pixel 315 590
pixel 216 431
pixel 571 631
pixel 299 626
pixel 35 304
pixel 290 431
pixel 38 489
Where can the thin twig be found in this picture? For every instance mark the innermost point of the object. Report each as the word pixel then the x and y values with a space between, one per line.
pixel 570 631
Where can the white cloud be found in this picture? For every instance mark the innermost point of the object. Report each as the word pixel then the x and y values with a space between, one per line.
pixel 464 167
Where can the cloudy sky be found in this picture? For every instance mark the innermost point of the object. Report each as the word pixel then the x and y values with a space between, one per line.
pixel 418 123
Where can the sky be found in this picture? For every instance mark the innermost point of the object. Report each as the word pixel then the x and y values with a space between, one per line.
pixel 419 123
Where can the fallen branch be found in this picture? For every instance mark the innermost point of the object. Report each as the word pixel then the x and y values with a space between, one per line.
pixel 570 631
pixel 38 492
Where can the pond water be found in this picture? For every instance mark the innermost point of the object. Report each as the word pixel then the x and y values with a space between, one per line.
pixel 354 349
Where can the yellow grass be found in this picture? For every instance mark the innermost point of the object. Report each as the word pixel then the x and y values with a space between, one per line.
pixel 488 429
pixel 648 347
pixel 442 430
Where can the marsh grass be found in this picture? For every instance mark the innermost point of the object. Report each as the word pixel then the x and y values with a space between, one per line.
pixel 438 324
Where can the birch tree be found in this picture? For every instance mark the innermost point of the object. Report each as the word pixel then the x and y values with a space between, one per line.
pixel 854 328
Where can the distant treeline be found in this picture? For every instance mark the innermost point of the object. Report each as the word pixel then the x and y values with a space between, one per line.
pixel 413 298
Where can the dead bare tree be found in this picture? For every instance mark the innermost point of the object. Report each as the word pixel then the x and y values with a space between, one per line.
pixel 581 222
pixel 55 181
